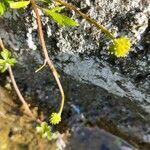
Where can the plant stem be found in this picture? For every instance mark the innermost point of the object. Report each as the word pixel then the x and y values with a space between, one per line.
pixel 18 92
pixel 28 111
pixel 39 69
pixel 1 44
pixel 86 17
pixel 45 51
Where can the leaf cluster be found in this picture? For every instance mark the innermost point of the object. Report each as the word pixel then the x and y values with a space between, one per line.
pixel 44 130
pixel 6 60
pixel 54 12
pixel 4 4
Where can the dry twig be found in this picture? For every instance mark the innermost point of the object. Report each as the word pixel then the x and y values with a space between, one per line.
pixel 45 52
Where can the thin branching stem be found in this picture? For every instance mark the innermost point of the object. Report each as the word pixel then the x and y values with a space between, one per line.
pixel 39 69
pixel 28 111
pixel 86 17
pixel 18 92
pixel 45 51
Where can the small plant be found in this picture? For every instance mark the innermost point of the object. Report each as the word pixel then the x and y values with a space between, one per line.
pixel 44 130
pixel 5 4
pixel 119 46
pixel 6 60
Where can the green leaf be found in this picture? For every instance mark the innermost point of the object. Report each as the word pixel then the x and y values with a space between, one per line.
pixel 63 20
pixel 17 5
pixel 2 61
pixel 49 135
pixel 60 18
pixel 2 8
pixel 44 130
pixel 5 54
pixel 3 68
pixel 11 61
pixel 6 61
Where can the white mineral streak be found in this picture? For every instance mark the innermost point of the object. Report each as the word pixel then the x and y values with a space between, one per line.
pixel 30 29
pixel 49 31
pixel 30 42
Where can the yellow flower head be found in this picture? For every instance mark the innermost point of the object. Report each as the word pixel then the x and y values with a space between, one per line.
pixel 55 118
pixel 120 46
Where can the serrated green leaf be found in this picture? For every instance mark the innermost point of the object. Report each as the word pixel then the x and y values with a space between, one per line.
pixel 17 5
pixel 5 54
pixel 2 61
pixel 60 18
pixel 11 61
pixel 63 20
pixel 6 61
pixel 3 68
pixel 2 8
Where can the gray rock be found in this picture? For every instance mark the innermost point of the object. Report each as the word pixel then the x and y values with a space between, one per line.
pixel 119 86
pixel 96 139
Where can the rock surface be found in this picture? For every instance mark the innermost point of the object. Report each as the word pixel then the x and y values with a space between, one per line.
pixel 109 92
pixel 88 139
